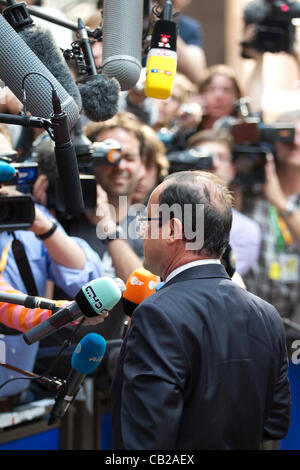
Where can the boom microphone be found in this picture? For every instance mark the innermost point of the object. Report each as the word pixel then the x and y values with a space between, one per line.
pixel 161 62
pixel 42 43
pixel 100 94
pixel 122 41
pixel 17 61
pixel 140 285
pixel 85 359
pixel 94 298
pixel 66 159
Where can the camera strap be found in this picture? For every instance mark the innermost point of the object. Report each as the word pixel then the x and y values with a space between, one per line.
pixel 24 266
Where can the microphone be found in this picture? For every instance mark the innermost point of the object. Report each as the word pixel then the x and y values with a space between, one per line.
pixel 7 172
pixel 94 298
pixel 161 62
pixel 28 301
pixel 140 285
pixel 17 60
pixel 66 160
pixel 122 41
pixel 85 359
pixel 100 95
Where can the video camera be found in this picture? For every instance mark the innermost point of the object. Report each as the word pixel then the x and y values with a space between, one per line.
pixel 274 31
pixel 16 211
pixel 194 158
pixel 253 139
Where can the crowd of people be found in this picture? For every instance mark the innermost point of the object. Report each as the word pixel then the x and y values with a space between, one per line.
pixel 209 350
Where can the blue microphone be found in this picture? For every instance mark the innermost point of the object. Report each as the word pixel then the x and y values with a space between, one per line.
pixel 85 359
pixel 7 172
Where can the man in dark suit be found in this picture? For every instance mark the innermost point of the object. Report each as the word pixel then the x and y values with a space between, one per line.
pixel 204 363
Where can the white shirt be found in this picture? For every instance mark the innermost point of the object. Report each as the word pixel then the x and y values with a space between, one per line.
pixel 198 262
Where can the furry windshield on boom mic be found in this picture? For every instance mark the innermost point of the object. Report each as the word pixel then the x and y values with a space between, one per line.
pixel 100 97
pixel 42 43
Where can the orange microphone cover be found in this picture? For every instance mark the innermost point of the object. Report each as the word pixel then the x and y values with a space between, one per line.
pixel 140 285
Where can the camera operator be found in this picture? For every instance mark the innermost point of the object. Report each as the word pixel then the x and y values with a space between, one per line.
pixel 271 41
pixel 245 235
pixel 275 277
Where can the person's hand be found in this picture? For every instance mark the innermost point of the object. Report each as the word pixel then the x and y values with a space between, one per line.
pixel 248 51
pixel 189 116
pixel 272 188
pixel 41 224
pixel 90 321
pixel 40 189
pixel 136 95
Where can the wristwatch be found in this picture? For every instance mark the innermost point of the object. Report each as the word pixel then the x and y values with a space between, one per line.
pixel 119 233
pixel 290 208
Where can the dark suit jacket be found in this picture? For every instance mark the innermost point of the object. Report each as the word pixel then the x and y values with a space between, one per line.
pixel 203 366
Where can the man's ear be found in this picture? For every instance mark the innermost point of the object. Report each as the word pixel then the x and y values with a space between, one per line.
pixel 176 230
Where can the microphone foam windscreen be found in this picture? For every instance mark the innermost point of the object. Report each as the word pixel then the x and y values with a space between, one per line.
pixel 88 353
pixel 140 285
pixel 122 41
pixel 43 44
pixel 100 97
pixel 99 295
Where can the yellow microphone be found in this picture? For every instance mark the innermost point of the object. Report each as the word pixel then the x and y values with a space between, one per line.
pixel 141 283
pixel 161 62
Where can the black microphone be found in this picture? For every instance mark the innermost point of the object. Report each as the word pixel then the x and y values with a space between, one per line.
pixel 122 41
pixel 28 301
pixel 100 94
pixel 18 61
pixel 66 159
pixel 85 359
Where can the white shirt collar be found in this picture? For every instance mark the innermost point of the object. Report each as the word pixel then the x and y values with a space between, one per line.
pixel 198 262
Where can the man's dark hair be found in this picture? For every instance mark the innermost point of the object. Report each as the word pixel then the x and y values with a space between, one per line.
pixel 216 199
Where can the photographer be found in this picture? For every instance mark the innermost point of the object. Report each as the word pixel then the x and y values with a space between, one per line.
pixel 270 42
pixel 275 277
